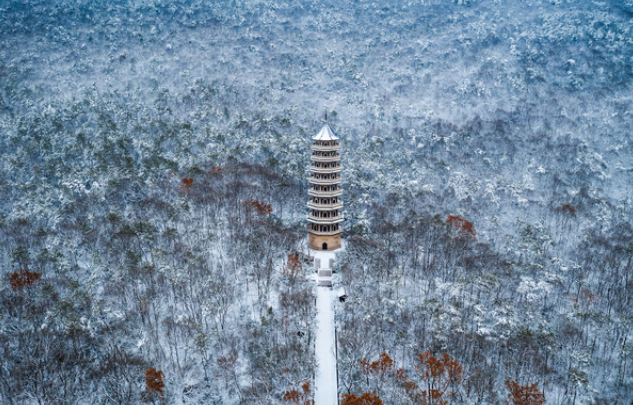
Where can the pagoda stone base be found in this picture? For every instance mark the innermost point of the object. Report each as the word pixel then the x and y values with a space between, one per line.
pixel 316 241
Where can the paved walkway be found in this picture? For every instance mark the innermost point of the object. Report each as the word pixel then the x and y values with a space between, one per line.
pixel 326 388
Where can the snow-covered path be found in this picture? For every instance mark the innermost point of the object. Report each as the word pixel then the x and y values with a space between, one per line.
pixel 325 381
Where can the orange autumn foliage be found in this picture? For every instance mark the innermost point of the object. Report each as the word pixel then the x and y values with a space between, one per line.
pixel 293 267
pixel 260 207
pixel 438 375
pixel 528 394
pixel 463 227
pixel 409 386
pixel 296 397
pixel 438 378
pixel 293 396
pixel 187 182
pixel 434 368
pixel 380 367
pixel 368 398
pixel 216 170
pixel 154 381
pixel 23 278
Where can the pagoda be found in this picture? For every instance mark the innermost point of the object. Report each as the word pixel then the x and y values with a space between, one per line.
pixel 325 204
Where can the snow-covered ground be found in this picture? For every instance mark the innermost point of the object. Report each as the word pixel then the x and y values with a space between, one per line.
pixel 324 257
pixel 326 388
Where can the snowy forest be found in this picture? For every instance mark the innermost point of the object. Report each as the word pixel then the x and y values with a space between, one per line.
pixel 153 184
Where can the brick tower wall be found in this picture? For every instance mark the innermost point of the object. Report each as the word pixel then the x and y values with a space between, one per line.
pixel 316 241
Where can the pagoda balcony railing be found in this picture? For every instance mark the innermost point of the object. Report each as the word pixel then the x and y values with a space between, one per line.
pixel 335 206
pixel 317 193
pixel 329 233
pixel 325 169
pixel 326 182
pixel 325 221
pixel 326 148
pixel 326 158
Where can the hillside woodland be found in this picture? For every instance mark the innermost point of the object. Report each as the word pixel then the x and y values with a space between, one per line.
pixel 154 158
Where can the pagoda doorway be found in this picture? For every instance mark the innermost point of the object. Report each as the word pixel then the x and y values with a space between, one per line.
pixel 324 246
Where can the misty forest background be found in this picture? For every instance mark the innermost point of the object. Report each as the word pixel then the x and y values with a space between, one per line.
pixel 513 116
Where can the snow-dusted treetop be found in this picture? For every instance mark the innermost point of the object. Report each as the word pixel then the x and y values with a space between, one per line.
pixel 326 134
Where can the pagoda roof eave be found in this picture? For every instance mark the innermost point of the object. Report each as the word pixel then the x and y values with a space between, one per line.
pixel 325 134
